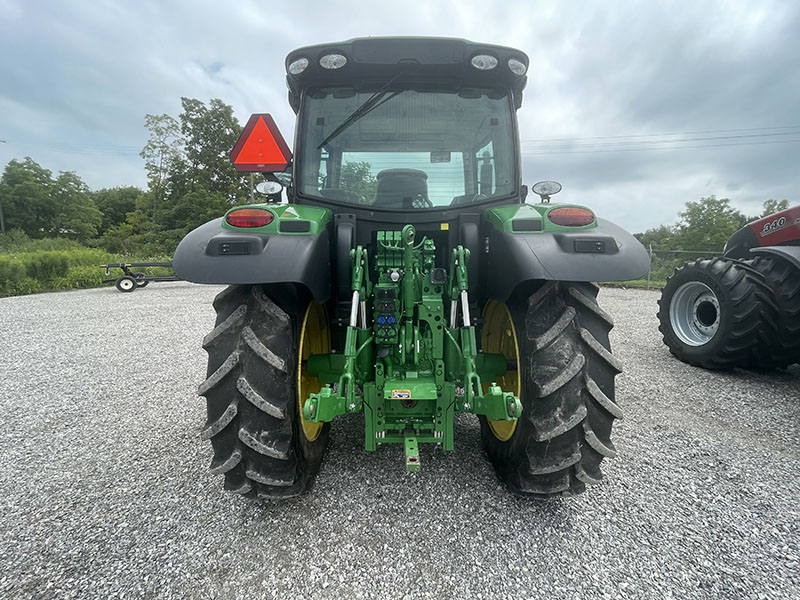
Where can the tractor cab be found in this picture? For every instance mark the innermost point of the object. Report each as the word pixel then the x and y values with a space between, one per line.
pixel 417 148
pixel 399 125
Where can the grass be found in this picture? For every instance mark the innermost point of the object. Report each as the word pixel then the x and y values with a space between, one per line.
pixel 54 265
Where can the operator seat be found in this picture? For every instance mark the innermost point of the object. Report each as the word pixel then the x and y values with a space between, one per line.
pixel 400 188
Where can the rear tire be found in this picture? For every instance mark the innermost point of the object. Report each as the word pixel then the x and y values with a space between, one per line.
pixel 718 314
pixel 784 279
pixel 566 374
pixel 254 424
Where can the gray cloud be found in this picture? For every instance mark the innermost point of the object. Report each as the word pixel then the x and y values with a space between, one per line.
pixel 77 79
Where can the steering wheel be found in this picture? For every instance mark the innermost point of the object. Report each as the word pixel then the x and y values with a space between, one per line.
pixel 420 201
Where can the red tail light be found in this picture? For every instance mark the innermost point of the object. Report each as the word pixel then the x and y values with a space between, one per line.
pixel 249 217
pixel 571 217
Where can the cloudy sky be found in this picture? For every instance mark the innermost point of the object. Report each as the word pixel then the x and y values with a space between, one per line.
pixel 635 107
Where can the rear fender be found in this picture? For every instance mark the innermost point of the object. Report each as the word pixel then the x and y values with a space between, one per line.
pixel 213 254
pixel 521 248
pixel 790 253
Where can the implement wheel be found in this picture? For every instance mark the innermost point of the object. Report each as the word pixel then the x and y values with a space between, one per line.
pixel 255 389
pixel 718 314
pixel 126 283
pixel 557 337
pixel 140 279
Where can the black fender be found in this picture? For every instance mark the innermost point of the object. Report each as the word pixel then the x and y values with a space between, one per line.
pixel 604 253
pixel 790 253
pixel 211 254
pixel 740 243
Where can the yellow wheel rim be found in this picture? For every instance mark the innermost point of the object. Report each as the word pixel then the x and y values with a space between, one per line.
pixel 498 336
pixel 315 338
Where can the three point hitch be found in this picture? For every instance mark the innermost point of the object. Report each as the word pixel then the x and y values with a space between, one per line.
pixel 409 362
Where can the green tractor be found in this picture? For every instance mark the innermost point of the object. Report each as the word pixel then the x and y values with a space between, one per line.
pixel 406 278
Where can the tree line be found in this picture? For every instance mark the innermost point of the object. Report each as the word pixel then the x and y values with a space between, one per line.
pixel 190 181
pixel 703 228
pixel 704 225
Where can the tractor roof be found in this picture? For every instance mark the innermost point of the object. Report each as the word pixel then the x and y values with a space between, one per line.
pixel 421 59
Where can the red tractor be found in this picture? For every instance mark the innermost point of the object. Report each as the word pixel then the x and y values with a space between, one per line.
pixel 742 309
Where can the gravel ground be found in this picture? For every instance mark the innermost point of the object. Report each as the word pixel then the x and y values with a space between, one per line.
pixel 104 489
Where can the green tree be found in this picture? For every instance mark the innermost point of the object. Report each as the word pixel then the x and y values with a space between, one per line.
pixel 115 204
pixel 706 225
pixel 209 134
pixel 193 209
pixel 190 178
pixel 142 218
pixel 357 177
pixel 45 207
pixel 138 223
pixel 162 153
pixel 773 206
pixel 25 195
pixel 119 239
pixel 76 216
pixel 658 237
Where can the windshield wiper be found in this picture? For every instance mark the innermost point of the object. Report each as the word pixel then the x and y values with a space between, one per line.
pixel 377 99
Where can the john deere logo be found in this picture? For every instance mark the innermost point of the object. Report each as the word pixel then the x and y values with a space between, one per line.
pixel 401 394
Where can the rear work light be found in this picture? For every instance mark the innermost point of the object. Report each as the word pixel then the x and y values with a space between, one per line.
pixel 298 66
pixel 249 217
pixel 484 62
pixel 571 216
pixel 517 67
pixel 333 61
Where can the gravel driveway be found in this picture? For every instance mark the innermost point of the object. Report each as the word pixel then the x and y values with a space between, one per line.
pixel 104 488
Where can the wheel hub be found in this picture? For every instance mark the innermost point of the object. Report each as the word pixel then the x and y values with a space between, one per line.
pixel 314 339
pixel 694 313
pixel 499 335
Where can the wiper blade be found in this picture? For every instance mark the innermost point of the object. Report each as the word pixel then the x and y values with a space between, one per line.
pixel 370 104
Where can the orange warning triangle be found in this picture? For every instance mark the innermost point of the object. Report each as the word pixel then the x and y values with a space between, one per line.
pixel 261 147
